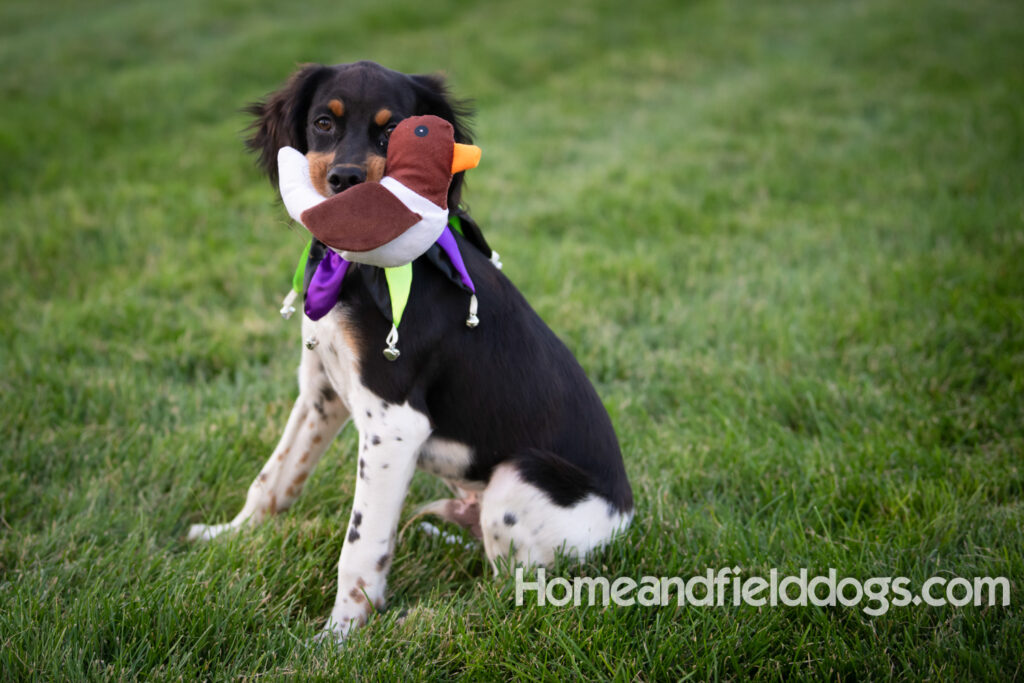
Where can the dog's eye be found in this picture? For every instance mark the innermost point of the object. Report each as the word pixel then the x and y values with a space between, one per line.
pixel 324 123
pixel 385 135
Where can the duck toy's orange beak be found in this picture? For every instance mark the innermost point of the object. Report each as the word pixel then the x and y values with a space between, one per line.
pixel 465 157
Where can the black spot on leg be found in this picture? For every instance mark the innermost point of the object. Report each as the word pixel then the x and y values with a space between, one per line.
pixel 375 440
pixel 398 438
pixel 368 413
pixel 327 393
pixel 384 406
pixel 495 537
pixel 383 561
pixel 353 535
pixel 509 519
pixel 362 468
pixel 357 518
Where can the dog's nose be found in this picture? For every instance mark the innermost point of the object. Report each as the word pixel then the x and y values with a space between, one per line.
pixel 340 178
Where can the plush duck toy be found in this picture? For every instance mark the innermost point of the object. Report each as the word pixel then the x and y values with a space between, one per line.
pixel 392 222
pixel 387 224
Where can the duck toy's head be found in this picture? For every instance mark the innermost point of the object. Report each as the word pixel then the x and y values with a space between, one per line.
pixel 423 156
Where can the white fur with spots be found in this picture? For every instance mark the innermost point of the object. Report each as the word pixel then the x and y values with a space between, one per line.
pixel 389 438
pixel 517 517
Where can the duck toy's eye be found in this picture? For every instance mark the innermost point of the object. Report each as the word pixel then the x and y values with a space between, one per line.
pixel 421 131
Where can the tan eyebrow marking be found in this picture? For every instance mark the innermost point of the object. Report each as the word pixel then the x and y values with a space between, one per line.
pixel 337 107
pixel 382 117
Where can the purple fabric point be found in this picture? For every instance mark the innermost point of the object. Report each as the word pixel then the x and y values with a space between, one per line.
pixel 447 242
pixel 325 287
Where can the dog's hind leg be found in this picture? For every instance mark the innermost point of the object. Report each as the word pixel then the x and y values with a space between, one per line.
pixel 526 524
pixel 316 418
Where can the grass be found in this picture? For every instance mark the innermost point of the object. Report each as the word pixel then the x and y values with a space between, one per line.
pixel 784 240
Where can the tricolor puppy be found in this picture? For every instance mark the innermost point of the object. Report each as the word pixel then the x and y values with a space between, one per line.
pixel 501 411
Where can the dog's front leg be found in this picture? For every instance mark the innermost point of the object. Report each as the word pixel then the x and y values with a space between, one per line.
pixel 389 438
pixel 318 415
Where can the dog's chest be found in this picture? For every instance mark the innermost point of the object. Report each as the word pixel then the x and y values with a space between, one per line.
pixel 332 339
pixel 334 342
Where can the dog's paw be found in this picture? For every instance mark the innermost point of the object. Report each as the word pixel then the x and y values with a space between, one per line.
pixel 206 532
pixel 326 639
pixel 337 630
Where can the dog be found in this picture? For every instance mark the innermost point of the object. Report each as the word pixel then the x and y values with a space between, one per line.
pixel 503 412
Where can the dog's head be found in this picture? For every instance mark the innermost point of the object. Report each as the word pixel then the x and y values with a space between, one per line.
pixel 341 116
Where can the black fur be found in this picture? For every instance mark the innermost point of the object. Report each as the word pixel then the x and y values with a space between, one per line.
pixel 509 389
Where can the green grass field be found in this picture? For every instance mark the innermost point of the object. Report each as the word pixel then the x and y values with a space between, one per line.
pixel 786 241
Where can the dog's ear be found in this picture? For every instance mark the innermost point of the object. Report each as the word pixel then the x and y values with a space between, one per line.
pixel 433 97
pixel 281 117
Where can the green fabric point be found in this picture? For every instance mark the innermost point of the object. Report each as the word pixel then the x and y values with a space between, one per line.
pixel 456 224
pixel 400 280
pixel 399 285
pixel 299 278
